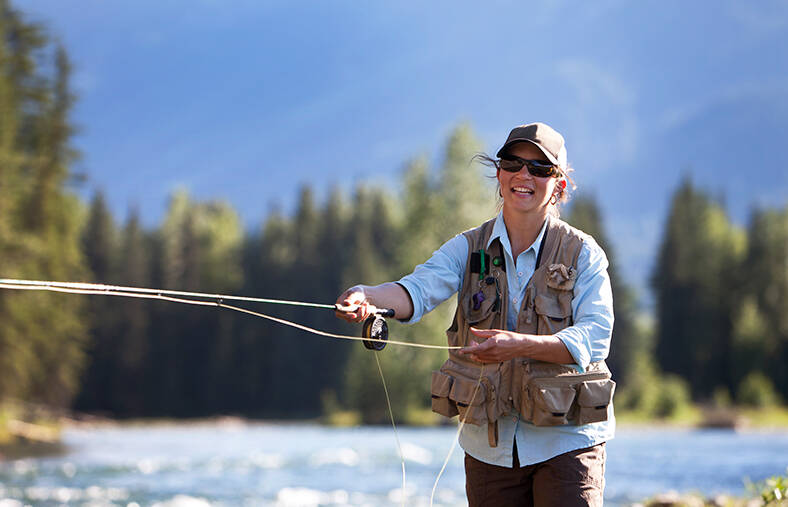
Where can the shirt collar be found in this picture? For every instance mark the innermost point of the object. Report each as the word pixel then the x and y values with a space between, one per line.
pixel 499 231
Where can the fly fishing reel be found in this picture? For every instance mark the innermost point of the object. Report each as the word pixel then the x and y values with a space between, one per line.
pixel 375 327
pixel 374 331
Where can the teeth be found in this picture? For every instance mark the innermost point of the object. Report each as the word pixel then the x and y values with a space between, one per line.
pixel 523 190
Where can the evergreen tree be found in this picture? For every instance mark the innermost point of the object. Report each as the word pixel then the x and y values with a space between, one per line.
pixel 134 322
pixel 41 335
pixel 334 264
pixel 761 330
pixel 98 240
pixel 371 243
pixel 99 382
pixel 465 197
pixel 696 291
pixel 200 251
pixel 173 347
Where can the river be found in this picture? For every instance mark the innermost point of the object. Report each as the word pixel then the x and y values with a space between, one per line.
pixel 249 464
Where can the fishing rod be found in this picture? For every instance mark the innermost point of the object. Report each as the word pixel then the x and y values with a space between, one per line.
pixel 374 330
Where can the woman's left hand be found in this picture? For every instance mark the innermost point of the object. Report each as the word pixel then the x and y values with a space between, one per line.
pixel 496 345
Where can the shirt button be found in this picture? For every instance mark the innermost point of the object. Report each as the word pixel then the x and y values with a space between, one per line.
pixel 514 419
pixel 515 300
pixel 520 273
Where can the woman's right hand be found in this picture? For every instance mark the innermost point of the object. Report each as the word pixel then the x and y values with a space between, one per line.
pixel 356 301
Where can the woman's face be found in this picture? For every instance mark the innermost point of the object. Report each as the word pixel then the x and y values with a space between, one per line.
pixel 522 192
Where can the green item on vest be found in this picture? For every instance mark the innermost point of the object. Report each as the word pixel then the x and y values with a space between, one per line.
pixel 497 261
pixel 483 269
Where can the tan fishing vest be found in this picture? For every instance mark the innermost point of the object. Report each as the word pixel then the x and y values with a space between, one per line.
pixel 544 394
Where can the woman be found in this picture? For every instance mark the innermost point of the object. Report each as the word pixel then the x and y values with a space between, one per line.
pixel 534 319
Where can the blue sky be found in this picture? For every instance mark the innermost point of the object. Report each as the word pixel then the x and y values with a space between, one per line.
pixel 246 100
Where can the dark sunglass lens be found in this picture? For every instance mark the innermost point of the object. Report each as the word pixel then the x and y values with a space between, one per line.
pixel 511 165
pixel 539 168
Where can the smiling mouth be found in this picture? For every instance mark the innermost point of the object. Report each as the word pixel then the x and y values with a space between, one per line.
pixel 522 191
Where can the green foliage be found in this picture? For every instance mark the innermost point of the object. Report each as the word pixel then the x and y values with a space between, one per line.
pixel 697 291
pixel 756 390
pixel 772 491
pixel 722 398
pixel 673 396
pixel 42 336
pixel 763 328
pixel 652 394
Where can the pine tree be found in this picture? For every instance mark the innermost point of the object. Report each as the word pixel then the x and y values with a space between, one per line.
pixel 696 292
pixel 761 337
pixel 41 335
pixel 134 318
pixel 99 381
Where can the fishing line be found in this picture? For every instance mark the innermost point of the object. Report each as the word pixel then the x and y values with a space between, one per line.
pixel 457 436
pixel 391 414
pixel 144 293
pixel 217 300
pixel 144 290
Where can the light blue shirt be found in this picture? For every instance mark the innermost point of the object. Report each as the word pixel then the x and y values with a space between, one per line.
pixel 588 339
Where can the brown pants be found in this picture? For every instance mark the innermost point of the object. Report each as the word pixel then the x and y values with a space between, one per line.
pixel 575 478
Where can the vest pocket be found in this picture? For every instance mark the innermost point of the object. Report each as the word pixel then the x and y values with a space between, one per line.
pixel 554 313
pixel 482 304
pixel 550 403
pixel 441 387
pixel 469 400
pixel 454 395
pixel 594 397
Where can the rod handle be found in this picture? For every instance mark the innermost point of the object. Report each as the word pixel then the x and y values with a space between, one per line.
pixel 384 312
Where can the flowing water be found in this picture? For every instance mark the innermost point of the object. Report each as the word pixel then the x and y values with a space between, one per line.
pixel 233 463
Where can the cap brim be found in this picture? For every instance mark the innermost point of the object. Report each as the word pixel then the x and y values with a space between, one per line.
pixel 512 142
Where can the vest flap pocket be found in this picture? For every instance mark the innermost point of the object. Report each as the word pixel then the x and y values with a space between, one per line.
pixel 441 384
pixel 481 304
pixel 594 398
pixel 462 390
pixel 551 403
pixel 596 393
pixel 551 307
pixel 441 387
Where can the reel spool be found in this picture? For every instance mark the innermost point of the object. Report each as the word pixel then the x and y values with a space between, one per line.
pixel 375 327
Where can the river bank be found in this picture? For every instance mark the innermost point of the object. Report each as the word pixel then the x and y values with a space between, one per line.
pixel 28 431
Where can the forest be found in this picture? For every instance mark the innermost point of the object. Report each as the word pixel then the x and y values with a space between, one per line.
pixel 718 330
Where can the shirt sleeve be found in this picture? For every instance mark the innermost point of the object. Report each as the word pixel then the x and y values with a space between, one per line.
pixel 438 279
pixel 588 339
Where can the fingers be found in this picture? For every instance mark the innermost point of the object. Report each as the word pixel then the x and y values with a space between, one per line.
pixel 483 349
pixel 477 347
pixel 484 333
pixel 352 305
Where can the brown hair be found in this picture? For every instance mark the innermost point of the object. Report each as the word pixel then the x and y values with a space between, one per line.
pixel 563 194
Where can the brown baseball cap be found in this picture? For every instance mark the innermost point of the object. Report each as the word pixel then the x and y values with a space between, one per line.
pixel 543 136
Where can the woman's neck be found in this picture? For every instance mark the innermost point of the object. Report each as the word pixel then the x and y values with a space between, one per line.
pixel 523 229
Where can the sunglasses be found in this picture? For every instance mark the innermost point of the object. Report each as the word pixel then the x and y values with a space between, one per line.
pixel 539 168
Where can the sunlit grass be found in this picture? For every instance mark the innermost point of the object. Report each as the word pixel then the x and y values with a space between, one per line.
pixel 690 415
pixel 767 417
pixel 696 415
